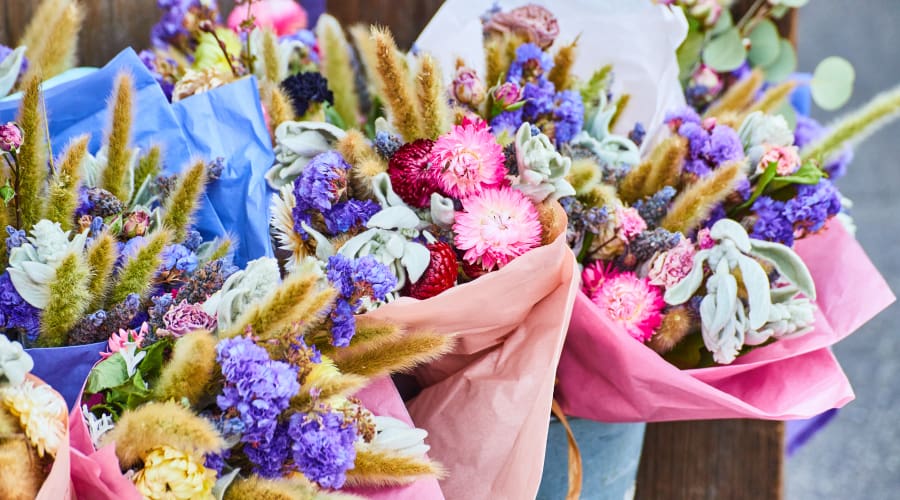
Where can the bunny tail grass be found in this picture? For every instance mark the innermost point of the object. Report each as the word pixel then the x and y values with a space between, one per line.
pixel 773 98
pixel 499 52
pixel 190 370
pixel 362 173
pixel 338 69
pixel 278 105
pixel 56 51
pixel 101 259
pixel 397 356
pixel 857 126
pixel 395 87
pixel 137 273
pixel 561 73
pixel 354 147
pixel 271 60
pixel 676 324
pixel 739 96
pixel 69 299
pixel 662 168
pixel 114 177
pixel 329 382
pixel 224 246
pixel 298 299
pixel 23 470
pixel 369 334
pixel 293 488
pixel 184 200
pixel 383 468
pixel 365 49
pixel 161 424
pixel 149 167
pixel 694 204
pixel 32 157
pixel 44 15
pixel 63 192
pixel 600 195
pixel 584 174
pixel 621 104
pixel 433 105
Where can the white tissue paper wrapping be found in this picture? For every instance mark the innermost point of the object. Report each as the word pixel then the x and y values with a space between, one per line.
pixel 638 37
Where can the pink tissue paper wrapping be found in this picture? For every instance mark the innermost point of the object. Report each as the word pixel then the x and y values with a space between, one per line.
pixel 606 375
pixel 486 405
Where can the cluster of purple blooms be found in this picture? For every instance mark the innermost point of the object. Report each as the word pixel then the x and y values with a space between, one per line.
pixel 807 212
pixel 321 189
pixel 355 280
pixel 323 446
pixel 15 313
pixel 172 24
pixel 710 145
pixel 560 114
pixel 259 389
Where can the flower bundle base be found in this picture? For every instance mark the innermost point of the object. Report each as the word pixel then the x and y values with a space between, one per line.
pixel 790 379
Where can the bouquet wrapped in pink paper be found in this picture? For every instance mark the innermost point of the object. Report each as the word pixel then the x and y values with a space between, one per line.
pixel 34 442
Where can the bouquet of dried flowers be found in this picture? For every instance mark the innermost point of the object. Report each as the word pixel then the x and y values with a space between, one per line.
pixel 249 393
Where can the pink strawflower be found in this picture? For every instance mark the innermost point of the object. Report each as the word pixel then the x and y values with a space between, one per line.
pixel 119 341
pixel 786 158
pixel 704 240
pixel 629 223
pixel 630 301
pixel 285 17
pixel 670 267
pixel 496 226
pixel 469 159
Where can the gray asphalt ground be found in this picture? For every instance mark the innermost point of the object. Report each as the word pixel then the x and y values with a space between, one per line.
pixel 858 455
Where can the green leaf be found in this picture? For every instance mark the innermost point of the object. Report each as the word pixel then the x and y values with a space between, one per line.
pixel 765 44
pixel 7 193
pixel 761 185
pixel 152 363
pixel 725 52
pixel 108 374
pixel 725 23
pixel 808 173
pixel 783 65
pixel 832 83
pixel 689 53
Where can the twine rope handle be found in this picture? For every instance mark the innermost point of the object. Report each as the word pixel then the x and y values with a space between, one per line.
pixel 575 468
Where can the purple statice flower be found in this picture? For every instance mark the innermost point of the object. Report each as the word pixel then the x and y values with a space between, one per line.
pixel 349 214
pixel 356 280
pixel 323 447
pixel 173 24
pixel 215 169
pixel 809 130
pixel 530 64
pixel 216 461
pixel 85 205
pixel 637 134
pixel 193 240
pixel 813 205
pixel 744 188
pixel 387 143
pixel 655 207
pixel 715 215
pixel 698 148
pixel 771 223
pixel 680 116
pixel 178 257
pixel 724 145
pixel 259 389
pixel 15 313
pixel 568 114
pixel 539 99
pixel 323 182
pixel 595 219
pixel 269 457
pixel 507 121
pixel 151 61
pixel 15 238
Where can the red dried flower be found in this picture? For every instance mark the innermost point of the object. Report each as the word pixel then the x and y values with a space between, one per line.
pixel 440 273
pixel 411 175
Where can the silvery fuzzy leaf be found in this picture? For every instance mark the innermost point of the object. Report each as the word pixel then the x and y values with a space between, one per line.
pixel 324 248
pixel 395 217
pixel 731 230
pixel 788 264
pixel 384 191
pixel 758 293
pixel 9 70
pixel 783 293
pixel 442 211
pixel 352 247
pixel 15 363
pixel 726 298
pixel 395 246
pixel 684 289
pixel 31 280
pixel 416 258
pixel 223 482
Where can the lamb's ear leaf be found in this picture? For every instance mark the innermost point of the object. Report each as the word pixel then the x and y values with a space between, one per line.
pixel 788 264
pixel 757 285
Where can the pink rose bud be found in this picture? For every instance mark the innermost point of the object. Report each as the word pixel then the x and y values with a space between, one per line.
pixel 467 87
pixel 507 94
pixel 786 158
pixel 286 17
pixel 10 137
pixel 136 224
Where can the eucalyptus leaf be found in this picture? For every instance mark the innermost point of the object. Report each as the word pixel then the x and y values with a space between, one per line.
pixel 796 4
pixel 725 52
pixel 689 53
pixel 788 264
pixel 225 480
pixel 765 43
pixel 724 23
pixel 783 65
pixel 832 83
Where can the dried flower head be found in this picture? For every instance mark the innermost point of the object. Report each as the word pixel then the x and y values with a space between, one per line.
pixel 468 159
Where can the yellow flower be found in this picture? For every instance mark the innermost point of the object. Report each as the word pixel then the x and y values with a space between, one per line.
pixel 170 474
pixel 209 54
pixel 41 413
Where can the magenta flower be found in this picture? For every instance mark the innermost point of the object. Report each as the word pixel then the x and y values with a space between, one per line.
pixel 10 137
pixel 121 340
pixel 670 267
pixel 629 224
pixel 629 301
pixel 469 159
pixel 285 17
pixel 506 95
pixel 496 226
pixel 467 87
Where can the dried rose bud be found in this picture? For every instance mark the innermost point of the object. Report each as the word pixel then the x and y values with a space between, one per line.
pixel 707 78
pixel 10 137
pixel 507 95
pixel 534 23
pixel 467 87
pixel 136 224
